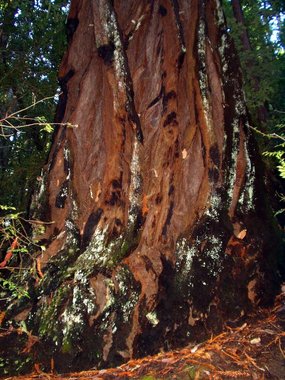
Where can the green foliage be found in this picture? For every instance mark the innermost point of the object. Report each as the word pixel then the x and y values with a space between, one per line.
pixel 262 64
pixel 32 42
pixel 11 225
pixel 15 248
pixel 279 155
pixel 190 373
pixel 15 290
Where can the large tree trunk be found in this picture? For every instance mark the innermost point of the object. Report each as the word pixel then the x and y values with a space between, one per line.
pixel 159 230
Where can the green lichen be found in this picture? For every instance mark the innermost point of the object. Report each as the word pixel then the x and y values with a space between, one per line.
pixel 104 254
pixel 48 315
pixel 63 317
pixel 61 265
pixel 66 347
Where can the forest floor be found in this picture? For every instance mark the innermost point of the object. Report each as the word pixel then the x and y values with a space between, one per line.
pixel 254 350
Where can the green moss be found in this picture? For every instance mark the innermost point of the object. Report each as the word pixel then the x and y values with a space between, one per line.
pixel 58 270
pixel 104 254
pixel 66 347
pixel 123 249
pixel 190 373
pixel 48 315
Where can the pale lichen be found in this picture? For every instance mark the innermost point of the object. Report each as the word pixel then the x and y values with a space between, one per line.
pixel 83 302
pixel 247 197
pixel 135 186
pixel 152 318
pixel 48 315
pixel 128 294
pixel 203 77
pixel 112 31
pixel 184 256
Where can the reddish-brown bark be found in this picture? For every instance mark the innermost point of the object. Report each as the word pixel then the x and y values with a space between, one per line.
pixel 153 191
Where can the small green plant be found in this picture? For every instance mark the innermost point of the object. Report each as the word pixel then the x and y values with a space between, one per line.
pixel 279 155
pixel 276 151
pixel 16 291
pixel 191 373
pixel 15 248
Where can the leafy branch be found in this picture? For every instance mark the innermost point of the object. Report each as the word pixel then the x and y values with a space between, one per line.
pixel 268 135
pixel 9 121
pixel 15 241
pixel 278 154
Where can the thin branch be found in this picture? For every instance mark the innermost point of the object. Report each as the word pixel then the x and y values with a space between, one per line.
pixel 26 108
pixel 5 123
pixel 268 135
pixel 39 124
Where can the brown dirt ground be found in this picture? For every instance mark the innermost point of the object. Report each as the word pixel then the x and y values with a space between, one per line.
pixel 255 350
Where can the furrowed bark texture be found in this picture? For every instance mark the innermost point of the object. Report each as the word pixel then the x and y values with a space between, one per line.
pixel 158 233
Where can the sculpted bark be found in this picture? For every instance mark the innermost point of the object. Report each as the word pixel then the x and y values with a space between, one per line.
pixel 154 191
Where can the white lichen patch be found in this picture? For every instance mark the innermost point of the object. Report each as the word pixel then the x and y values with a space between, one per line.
pixel 220 14
pixel 71 240
pixel 240 104
pixel 74 211
pixel 110 298
pixel 231 174
pixel 207 249
pixel 135 186
pixel 222 49
pixel 203 76
pixel 97 253
pixel 113 34
pixel 202 56
pixel 214 254
pixel 152 318
pixel 224 39
pixel 247 197
pixel 72 319
pixel 138 22
pixel 69 320
pixel 66 155
pixel 184 256
pixel 127 294
pixel 214 205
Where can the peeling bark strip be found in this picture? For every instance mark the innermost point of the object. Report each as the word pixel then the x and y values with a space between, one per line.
pixel 151 194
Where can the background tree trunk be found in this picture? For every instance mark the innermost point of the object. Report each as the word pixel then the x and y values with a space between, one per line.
pixel 261 111
pixel 160 230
